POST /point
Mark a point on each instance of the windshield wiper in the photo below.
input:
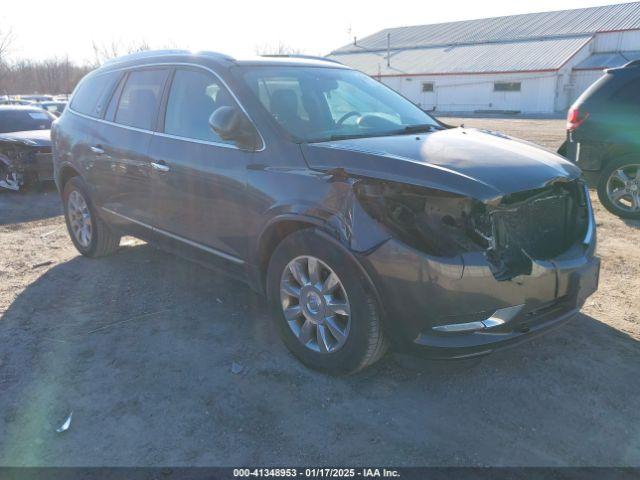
(427, 127)
(346, 136)
(424, 127)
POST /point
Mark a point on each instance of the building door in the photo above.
(428, 98)
(507, 96)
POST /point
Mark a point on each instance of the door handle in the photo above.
(97, 149)
(160, 167)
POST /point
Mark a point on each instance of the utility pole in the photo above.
(389, 49)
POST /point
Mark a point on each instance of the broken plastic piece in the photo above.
(65, 426)
(11, 181)
(236, 368)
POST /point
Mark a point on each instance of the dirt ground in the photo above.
(165, 363)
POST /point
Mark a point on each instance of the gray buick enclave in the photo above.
(366, 222)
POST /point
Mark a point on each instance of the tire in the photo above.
(608, 178)
(102, 240)
(363, 343)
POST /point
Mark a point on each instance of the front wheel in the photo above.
(619, 187)
(323, 306)
(90, 235)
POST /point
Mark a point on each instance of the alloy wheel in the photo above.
(80, 218)
(315, 304)
(623, 188)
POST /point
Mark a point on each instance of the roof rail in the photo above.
(159, 53)
(307, 57)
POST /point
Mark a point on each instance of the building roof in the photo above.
(583, 21)
(520, 56)
(517, 43)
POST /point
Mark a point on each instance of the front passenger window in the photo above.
(193, 98)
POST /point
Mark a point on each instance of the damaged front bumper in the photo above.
(455, 307)
(24, 164)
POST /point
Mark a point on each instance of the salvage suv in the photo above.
(25, 146)
(603, 138)
(365, 221)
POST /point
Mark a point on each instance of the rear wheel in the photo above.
(619, 187)
(324, 310)
(90, 235)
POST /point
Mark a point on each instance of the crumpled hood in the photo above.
(39, 138)
(475, 163)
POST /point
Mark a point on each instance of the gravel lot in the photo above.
(140, 346)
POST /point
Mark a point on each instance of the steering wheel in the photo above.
(346, 116)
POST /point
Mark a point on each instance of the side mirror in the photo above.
(229, 123)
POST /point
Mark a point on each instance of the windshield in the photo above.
(321, 104)
(24, 120)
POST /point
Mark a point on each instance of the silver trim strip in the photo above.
(500, 317)
(174, 64)
(194, 140)
(211, 250)
(99, 120)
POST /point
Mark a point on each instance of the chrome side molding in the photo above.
(500, 317)
(588, 237)
(206, 248)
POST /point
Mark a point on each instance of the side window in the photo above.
(92, 94)
(427, 86)
(629, 94)
(507, 86)
(140, 98)
(194, 96)
(282, 97)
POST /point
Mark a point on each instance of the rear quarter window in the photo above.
(93, 93)
(628, 94)
(592, 94)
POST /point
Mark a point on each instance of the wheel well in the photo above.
(66, 174)
(616, 151)
(272, 237)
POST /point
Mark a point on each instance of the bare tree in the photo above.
(277, 49)
(6, 39)
(116, 48)
(53, 75)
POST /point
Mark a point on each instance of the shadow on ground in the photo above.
(140, 347)
(36, 204)
(632, 223)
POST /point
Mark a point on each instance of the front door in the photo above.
(199, 180)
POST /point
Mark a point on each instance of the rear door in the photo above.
(88, 106)
(122, 146)
(199, 180)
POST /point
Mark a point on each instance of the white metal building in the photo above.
(533, 63)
